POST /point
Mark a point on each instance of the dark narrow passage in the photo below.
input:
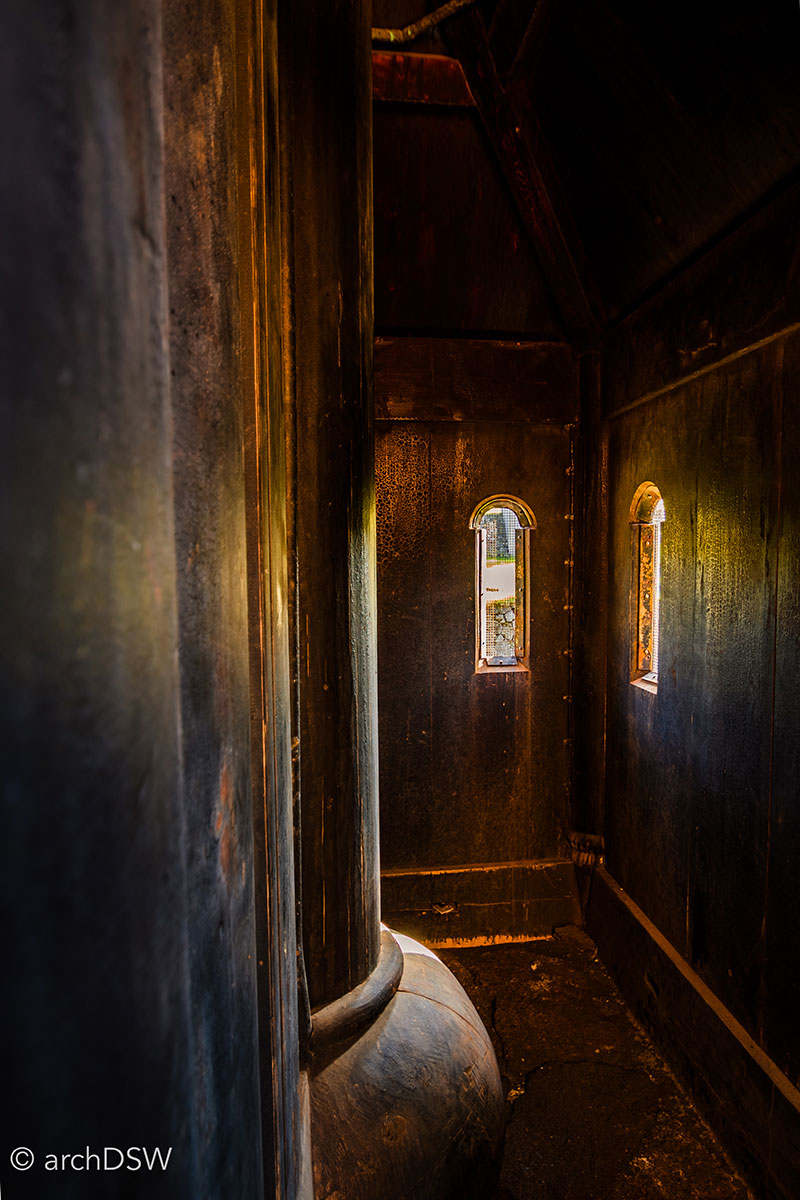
(593, 1111)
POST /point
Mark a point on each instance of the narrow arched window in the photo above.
(646, 519)
(502, 527)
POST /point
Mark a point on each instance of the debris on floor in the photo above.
(593, 1111)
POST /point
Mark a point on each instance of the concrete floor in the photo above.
(593, 1112)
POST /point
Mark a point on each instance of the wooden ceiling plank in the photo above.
(561, 261)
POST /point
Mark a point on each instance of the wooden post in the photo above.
(328, 136)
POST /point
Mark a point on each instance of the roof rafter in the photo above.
(526, 170)
(530, 45)
(508, 30)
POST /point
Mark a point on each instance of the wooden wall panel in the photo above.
(741, 292)
(451, 253)
(782, 976)
(462, 379)
(473, 767)
(647, 809)
(402, 464)
(734, 606)
(451, 906)
(689, 769)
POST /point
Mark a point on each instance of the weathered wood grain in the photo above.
(742, 292)
(329, 131)
(688, 769)
(264, 355)
(473, 767)
(451, 252)
(781, 974)
(208, 413)
(482, 903)
(127, 885)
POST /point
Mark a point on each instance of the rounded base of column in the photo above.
(413, 1107)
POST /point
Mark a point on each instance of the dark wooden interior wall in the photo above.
(702, 824)
(666, 123)
(452, 254)
(223, 205)
(200, 154)
(474, 767)
(96, 985)
(129, 857)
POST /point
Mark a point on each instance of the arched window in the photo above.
(502, 527)
(646, 519)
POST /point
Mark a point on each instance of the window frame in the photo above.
(646, 513)
(527, 521)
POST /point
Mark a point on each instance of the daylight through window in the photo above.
(646, 518)
(502, 526)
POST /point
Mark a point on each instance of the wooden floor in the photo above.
(593, 1112)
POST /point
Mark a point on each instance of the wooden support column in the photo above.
(328, 134)
(421, 1066)
(95, 992)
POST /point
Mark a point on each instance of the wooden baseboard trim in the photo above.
(745, 1097)
(480, 905)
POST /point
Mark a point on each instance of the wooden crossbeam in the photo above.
(419, 79)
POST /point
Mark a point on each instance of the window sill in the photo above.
(503, 669)
(646, 685)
